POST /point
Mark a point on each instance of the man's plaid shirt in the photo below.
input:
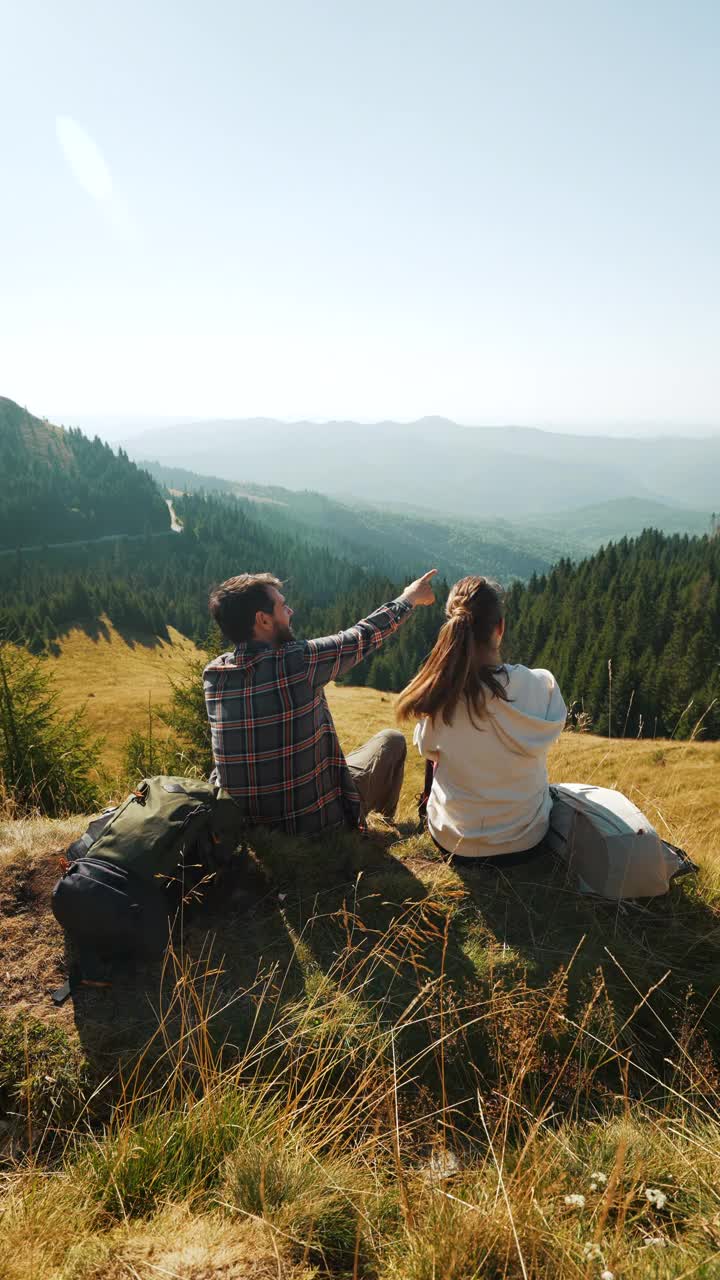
(274, 742)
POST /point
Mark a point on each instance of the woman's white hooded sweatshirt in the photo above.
(490, 794)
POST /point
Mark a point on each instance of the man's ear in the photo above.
(260, 621)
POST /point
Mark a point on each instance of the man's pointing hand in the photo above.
(420, 591)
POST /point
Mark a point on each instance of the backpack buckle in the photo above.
(140, 793)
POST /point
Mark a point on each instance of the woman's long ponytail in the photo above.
(454, 669)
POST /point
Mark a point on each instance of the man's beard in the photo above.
(283, 635)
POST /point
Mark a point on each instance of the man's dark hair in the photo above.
(234, 603)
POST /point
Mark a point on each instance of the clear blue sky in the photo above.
(498, 212)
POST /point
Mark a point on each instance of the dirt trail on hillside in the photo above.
(175, 527)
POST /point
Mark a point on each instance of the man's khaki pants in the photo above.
(377, 769)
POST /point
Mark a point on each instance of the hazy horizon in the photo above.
(117, 428)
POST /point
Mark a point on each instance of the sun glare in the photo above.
(84, 158)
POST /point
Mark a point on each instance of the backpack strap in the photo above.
(68, 988)
(687, 866)
(425, 796)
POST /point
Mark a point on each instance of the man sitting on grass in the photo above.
(274, 742)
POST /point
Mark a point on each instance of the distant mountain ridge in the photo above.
(438, 466)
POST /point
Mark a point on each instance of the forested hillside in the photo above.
(579, 532)
(58, 486)
(632, 634)
(382, 539)
(155, 582)
(394, 536)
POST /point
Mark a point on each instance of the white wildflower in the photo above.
(607, 1275)
(656, 1197)
(599, 1177)
(592, 1252)
(650, 1242)
(576, 1202)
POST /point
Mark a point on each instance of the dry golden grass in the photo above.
(313, 1153)
(676, 784)
(24, 839)
(387, 1069)
(46, 1240)
(112, 677)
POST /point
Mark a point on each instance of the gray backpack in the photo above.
(609, 844)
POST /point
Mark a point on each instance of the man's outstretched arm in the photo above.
(331, 656)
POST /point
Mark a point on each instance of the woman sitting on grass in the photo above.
(488, 726)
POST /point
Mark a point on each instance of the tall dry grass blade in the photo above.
(503, 1188)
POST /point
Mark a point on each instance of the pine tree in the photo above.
(48, 764)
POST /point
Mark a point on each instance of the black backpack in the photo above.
(135, 869)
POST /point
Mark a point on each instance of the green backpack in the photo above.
(165, 824)
(126, 876)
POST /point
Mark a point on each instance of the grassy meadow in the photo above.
(359, 1062)
(112, 676)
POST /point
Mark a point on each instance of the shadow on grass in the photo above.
(309, 940)
(96, 629)
(508, 984)
(652, 966)
(224, 949)
(135, 638)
